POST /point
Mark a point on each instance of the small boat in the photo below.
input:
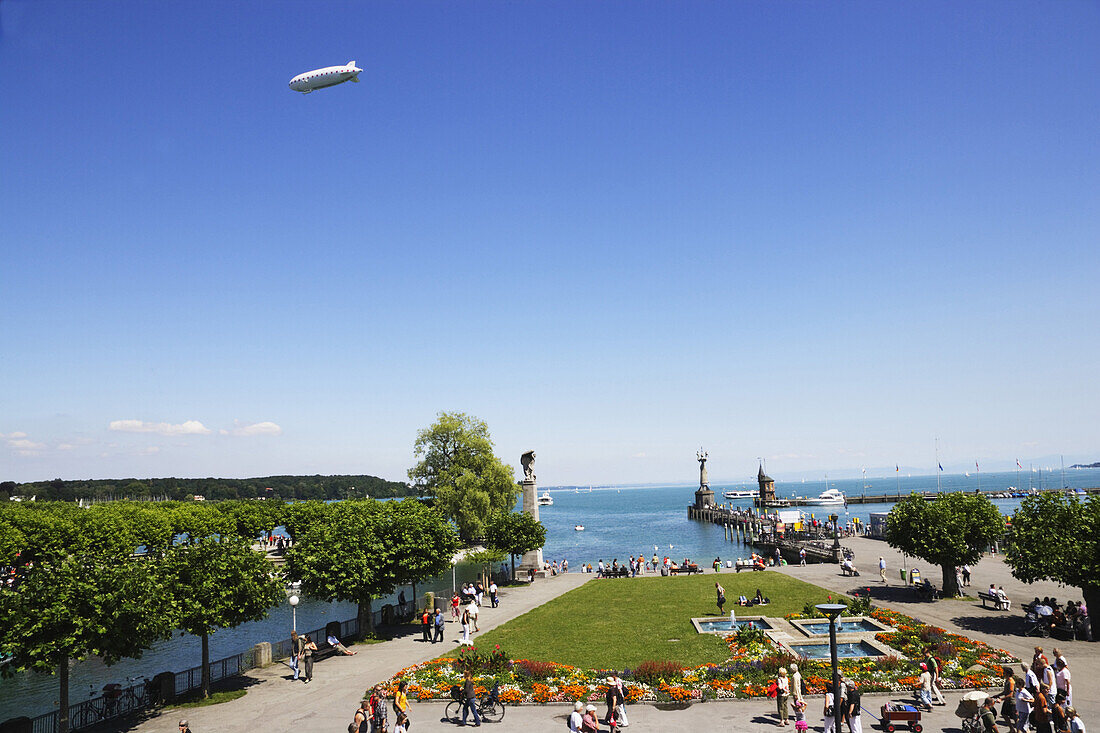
(546, 499)
(828, 497)
(579, 527)
(743, 494)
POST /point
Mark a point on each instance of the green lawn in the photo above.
(613, 624)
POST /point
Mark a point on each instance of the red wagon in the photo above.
(894, 713)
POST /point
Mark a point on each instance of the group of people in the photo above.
(1040, 698)
(372, 716)
(789, 692)
(1051, 614)
(584, 719)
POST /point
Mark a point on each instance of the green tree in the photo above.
(1057, 537)
(217, 579)
(458, 468)
(358, 550)
(949, 531)
(515, 533)
(79, 590)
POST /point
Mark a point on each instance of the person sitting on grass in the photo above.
(335, 644)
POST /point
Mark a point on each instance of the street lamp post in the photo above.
(832, 610)
(294, 611)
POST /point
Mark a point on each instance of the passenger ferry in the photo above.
(546, 499)
(743, 494)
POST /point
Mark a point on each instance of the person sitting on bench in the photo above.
(1002, 598)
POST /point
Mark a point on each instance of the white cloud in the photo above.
(25, 447)
(150, 451)
(17, 434)
(65, 446)
(190, 427)
(260, 428)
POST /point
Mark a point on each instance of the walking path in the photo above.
(276, 704)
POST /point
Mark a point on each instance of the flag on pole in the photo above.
(1018, 463)
(897, 468)
(940, 465)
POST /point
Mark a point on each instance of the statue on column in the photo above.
(701, 456)
(527, 460)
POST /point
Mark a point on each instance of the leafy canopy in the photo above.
(1057, 537)
(79, 589)
(457, 466)
(950, 530)
(515, 533)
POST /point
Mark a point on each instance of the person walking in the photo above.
(1062, 678)
(455, 600)
(721, 597)
(493, 593)
(590, 723)
(426, 624)
(360, 722)
(855, 722)
(925, 687)
(882, 569)
(934, 670)
(472, 610)
(439, 623)
(614, 697)
(307, 656)
(469, 697)
(465, 628)
(802, 556)
(796, 684)
(401, 703)
(828, 712)
(782, 695)
(295, 653)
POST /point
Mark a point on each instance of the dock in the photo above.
(763, 533)
(898, 496)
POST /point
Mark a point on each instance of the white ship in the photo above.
(828, 497)
(743, 494)
(546, 499)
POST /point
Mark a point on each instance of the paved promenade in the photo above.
(274, 704)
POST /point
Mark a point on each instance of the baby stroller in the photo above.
(969, 709)
(1036, 625)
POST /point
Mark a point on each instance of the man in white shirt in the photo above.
(472, 610)
(882, 569)
(493, 593)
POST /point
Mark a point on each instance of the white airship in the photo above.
(326, 77)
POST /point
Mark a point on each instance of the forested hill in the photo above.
(284, 487)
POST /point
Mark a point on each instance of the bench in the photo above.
(324, 651)
(990, 598)
(926, 591)
(749, 566)
(616, 573)
(844, 570)
(689, 569)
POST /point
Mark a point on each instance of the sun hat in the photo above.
(578, 705)
(591, 708)
(923, 665)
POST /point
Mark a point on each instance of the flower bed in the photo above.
(753, 662)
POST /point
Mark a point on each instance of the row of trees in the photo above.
(111, 580)
(179, 489)
(1052, 536)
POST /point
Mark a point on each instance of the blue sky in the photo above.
(823, 233)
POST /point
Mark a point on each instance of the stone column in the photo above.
(531, 559)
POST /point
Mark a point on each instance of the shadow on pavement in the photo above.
(995, 625)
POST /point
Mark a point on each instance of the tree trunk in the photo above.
(950, 581)
(416, 604)
(366, 619)
(205, 664)
(512, 579)
(1091, 594)
(63, 693)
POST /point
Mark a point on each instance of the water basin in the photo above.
(821, 628)
(723, 625)
(844, 650)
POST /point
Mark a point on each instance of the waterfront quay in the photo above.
(901, 495)
(767, 533)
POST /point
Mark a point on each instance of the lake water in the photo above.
(618, 522)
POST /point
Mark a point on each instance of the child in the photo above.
(800, 724)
